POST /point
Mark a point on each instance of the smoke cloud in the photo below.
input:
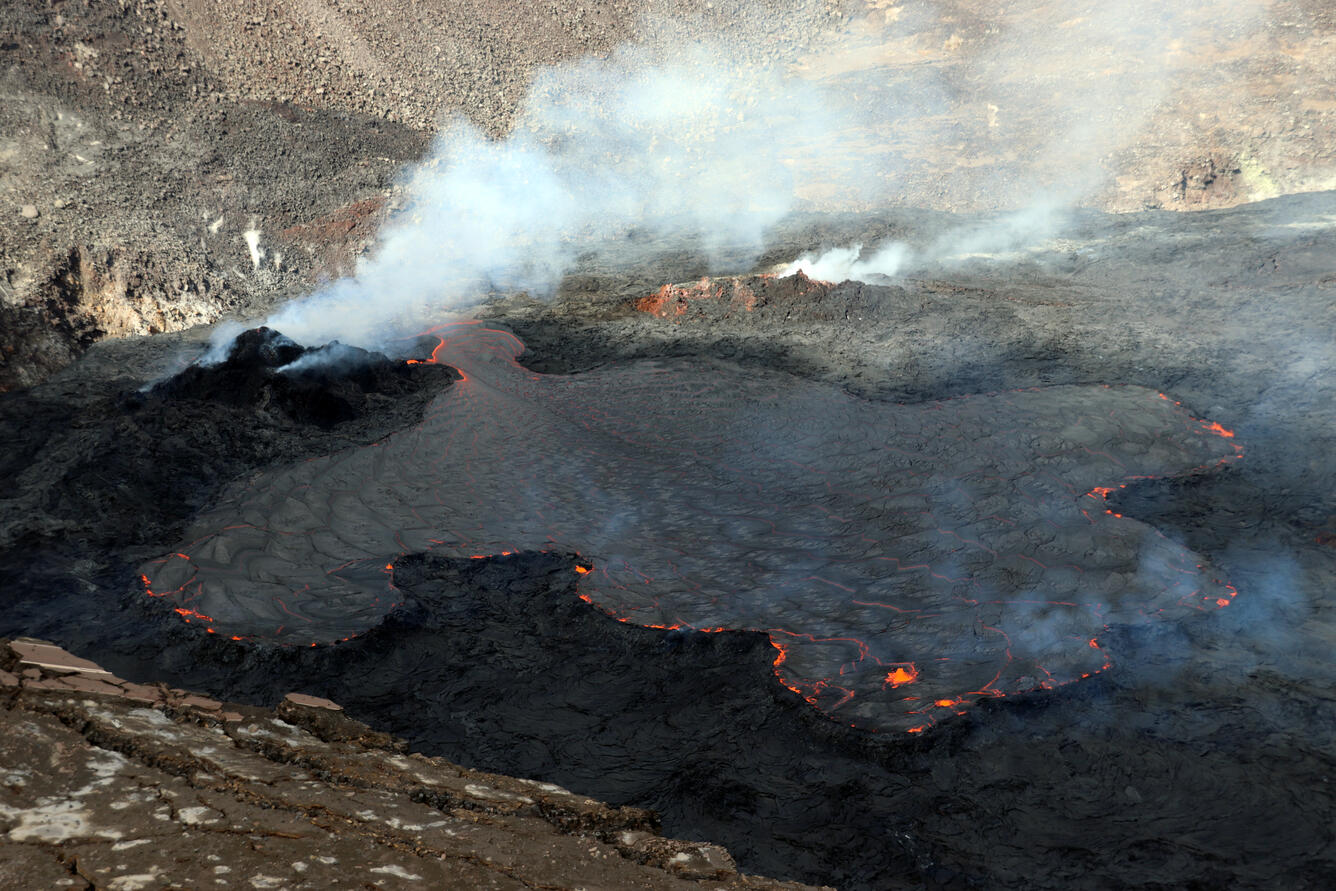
(1060, 102)
(990, 238)
(706, 144)
(610, 156)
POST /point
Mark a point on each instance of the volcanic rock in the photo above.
(792, 298)
(324, 386)
(196, 430)
(168, 129)
(1221, 722)
(104, 790)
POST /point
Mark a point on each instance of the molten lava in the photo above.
(899, 676)
(904, 560)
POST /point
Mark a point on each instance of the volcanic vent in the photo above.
(295, 384)
(905, 560)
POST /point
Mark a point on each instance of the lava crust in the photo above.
(323, 386)
(1199, 759)
(905, 561)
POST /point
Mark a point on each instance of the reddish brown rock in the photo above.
(302, 699)
(44, 655)
(101, 791)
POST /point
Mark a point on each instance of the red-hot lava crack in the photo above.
(905, 560)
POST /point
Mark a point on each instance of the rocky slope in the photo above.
(115, 785)
(168, 161)
(1122, 106)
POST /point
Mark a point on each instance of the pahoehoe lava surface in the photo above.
(904, 560)
(1201, 759)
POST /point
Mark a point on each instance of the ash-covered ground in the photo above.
(1200, 757)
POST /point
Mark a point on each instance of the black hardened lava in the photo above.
(498, 663)
(325, 386)
(111, 469)
(905, 561)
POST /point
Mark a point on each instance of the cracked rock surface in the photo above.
(109, 784)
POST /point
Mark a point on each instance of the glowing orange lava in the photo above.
(903, 675)
(191, 614)
(674, 300)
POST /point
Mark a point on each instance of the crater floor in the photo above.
(905, 560)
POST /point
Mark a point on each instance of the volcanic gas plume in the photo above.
(904, 560)
(706, 145)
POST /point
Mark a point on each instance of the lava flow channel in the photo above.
(905, 560)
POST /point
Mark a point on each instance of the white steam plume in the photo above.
(706, 144)
(987, 238)
(841, 264)
(1066, 97)
(694, 149)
